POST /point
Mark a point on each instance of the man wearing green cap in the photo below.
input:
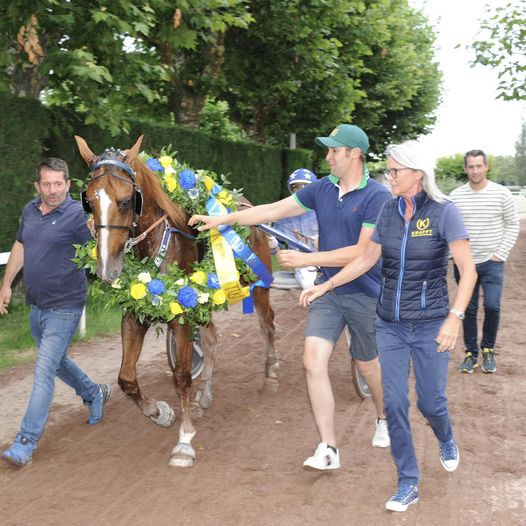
(347, 203)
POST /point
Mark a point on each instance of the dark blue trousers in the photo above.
(490, 279)
(400, 344)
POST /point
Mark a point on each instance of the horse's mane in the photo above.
(151, 186)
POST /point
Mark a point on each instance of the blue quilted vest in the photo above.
(414, 262)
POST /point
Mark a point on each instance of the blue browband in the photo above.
(123, 166)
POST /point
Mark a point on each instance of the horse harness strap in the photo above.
(165, 241)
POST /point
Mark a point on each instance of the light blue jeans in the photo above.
(53, 330)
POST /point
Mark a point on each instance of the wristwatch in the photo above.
(458, 313)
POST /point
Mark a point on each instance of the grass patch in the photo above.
(17, 346)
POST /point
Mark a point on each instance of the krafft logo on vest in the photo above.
(423, 229)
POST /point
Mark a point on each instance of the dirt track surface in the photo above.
(251, 443)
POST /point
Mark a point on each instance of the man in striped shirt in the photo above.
(492, 222)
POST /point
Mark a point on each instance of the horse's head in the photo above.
(115, 200)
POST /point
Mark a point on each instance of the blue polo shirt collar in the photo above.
(363, 183)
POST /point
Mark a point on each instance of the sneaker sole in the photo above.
(382, 445)
(13, 462)
(308, 467)
(451, 469)
(489, 371)
(396, 506)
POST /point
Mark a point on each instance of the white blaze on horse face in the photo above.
(105, 202)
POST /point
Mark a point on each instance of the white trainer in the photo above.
(381, 434)
(324, 458)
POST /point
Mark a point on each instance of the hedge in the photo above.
(27, 135)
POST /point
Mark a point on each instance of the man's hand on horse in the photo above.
(208, 222)
(292, 258)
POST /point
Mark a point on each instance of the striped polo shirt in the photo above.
(491, 219)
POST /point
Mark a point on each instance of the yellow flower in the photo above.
(93, 252)
(219, 297)
(170, 181)
(175, 308)
(198, 277)
(166, 160)
(138, 291)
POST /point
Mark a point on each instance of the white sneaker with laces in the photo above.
(324, 458)
(381, 435)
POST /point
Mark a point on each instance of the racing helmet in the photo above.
(302, 176)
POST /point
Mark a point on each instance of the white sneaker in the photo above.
(381, 435)
(324, 458)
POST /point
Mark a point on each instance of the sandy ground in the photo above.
(251, 443)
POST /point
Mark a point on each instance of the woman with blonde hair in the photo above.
(414, 234)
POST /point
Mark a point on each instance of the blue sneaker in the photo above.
(406, 495)
(489, 365)
(21, 452)
(469, 363)
(96, 406)
(449, 455)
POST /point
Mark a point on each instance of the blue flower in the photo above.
(153, 164)
(213, 281)
(187, 297)
(156, 286)
(193, 193)
(187, 179)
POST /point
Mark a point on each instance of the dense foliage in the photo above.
(283, 66)
(502, 45)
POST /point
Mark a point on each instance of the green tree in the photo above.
(110, 60)
(304, 66)
(449, 172)
(504, 170)
(520, 156)
(502, 45)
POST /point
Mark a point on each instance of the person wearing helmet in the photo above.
(303, 227)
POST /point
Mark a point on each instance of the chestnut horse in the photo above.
(126, 200)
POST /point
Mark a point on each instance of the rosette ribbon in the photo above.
(225, 242)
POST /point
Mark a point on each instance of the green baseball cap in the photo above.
(345, 135)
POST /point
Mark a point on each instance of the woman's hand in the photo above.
(208, 221)
(307, 296)
(448, 334)
(292, 258)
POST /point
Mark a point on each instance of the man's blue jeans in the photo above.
(53, 330)
(398, 344)
(490, 278)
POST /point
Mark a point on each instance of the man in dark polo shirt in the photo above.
(346, 203)
(56, 291)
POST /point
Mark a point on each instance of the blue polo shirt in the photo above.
(341, 219)
(50, 277)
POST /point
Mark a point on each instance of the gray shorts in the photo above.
(330, 313)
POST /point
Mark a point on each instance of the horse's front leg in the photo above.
(204, 395)
(133, 334)
(183, 454)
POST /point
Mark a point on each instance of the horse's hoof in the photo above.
(166, 416)
(197, 410)
(183, 456)
(271, 385)
(204, 396)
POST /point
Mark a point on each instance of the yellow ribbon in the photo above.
(226, 270)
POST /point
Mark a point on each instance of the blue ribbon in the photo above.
(242, 250)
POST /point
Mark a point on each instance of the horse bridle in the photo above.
(138, 200)
(137, 192)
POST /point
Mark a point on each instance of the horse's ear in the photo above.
(133, 152)
(84, 150)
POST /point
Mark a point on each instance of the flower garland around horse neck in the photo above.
(160, 296)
